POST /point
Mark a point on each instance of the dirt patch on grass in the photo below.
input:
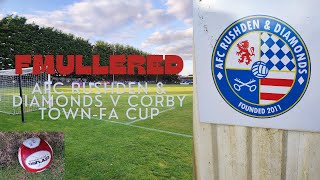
(10, 143)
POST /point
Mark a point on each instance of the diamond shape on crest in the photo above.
(220, 76)
(285, 60)
(285, 49)
(275, 48)
(269, 42)
(264, 37)
(264, 48)
(280, 43)
(280, 65)
(269, 65)
(301, 80)
(280, 54)
(264, 58)
(289, 55)
(290, 66)
(269, 54)
(274, 59)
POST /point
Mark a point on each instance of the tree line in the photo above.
(19, 37)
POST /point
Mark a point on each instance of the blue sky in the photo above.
(155, 26)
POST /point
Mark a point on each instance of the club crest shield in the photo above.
(261, 66)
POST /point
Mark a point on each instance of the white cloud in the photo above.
(182, 9)
(160, 38)
(100, 17)
(155, 17)
(177, 42)
(172, 42)
(188, 21)
(183, 49)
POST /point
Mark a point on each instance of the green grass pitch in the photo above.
(160, 148)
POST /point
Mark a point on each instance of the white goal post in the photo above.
(10, 86)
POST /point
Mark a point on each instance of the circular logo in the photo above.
(261, 66)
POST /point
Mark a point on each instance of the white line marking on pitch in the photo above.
(150, 116)
(162, 131)
(146, 128)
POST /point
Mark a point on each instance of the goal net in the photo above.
(9, 87)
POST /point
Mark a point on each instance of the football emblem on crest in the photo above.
(261, 66)
(259, 69)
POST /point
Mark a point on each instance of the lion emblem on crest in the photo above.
(244, 53)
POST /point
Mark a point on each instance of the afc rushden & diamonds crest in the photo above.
(261, 66)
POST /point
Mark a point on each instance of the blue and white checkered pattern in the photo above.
(275, 53)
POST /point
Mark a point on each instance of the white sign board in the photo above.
(258, 63)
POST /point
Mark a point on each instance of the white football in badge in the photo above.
(260, 70)
(35, 154)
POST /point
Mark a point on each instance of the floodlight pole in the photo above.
(22, 109)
